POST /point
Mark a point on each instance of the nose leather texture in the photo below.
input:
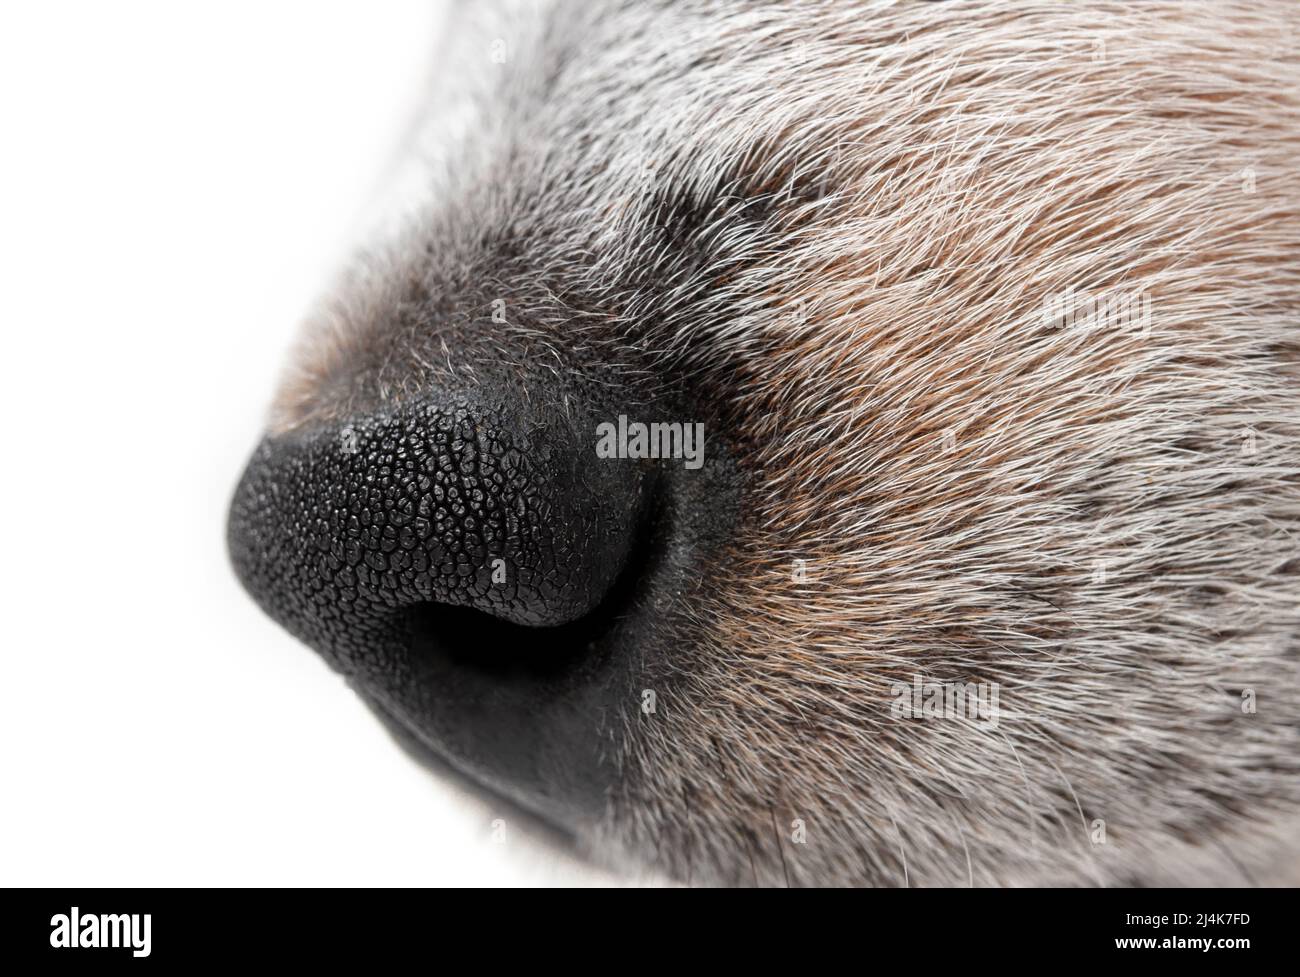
(451, 504)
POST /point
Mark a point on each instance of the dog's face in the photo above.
(948, 328)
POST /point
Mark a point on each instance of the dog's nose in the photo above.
(336, 528)
(466, 566)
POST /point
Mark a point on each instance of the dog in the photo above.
(986, 564)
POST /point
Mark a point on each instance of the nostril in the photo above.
(529, 711)
(447, 641)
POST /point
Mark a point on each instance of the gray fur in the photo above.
(840, 224)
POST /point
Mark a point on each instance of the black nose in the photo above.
(450, 558)
(514, 516)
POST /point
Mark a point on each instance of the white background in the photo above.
(177, 183)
